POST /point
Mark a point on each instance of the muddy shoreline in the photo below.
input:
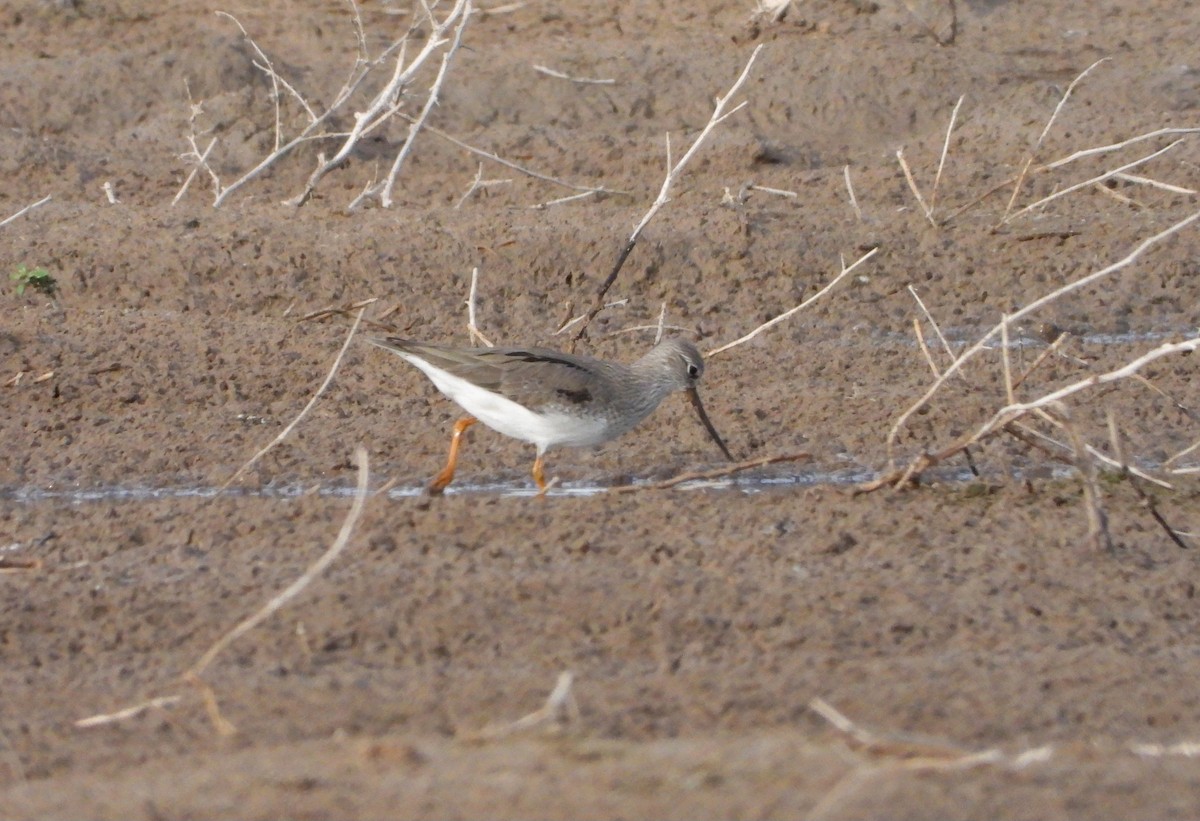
(974, 617)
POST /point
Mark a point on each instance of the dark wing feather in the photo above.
(533, 377)
(537, 378)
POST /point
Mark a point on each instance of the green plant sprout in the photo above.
(37, 278)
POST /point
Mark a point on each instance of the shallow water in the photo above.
(746, 482)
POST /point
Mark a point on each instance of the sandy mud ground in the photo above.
(1014, 636)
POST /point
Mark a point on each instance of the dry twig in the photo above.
(480, 184)
(718, 473)
(1086, 183)
(1114, 435)
(1036, 305)
(719, 115)
(893, 754)
(560, 707)
(549, 72)
(787, 314)
(850, 190)
(296, 587)
(283, 434)
(431, 99)
(25, 210)
(587, 190)
(129, 712)
(472, 327)
(387, 101)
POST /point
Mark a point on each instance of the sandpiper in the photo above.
(553, 399)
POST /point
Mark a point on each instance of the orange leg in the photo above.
(444, 478)
(539, 476)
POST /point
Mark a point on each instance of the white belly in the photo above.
(507, 417)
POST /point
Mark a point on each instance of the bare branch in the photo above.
(1016, 409)
(786, 314)
(472, 326)
(945, 150)
(479, 184)
(296, 587)
(581, 80)
(431, 100)
(1137, 179)
(1036, 305)
(912, 186)
(283, 434)
(1062, 102)
(850, 190)
(1101, 178)
(1104, 149)
(385, 103)
(719, 114)
(26, 210)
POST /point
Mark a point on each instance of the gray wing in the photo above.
(533, 377)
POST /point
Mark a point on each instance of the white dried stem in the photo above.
(560, 706)
(472, 326)
(1051, 443)
(1137, 179)
(925, 348)
(478, 184)
(431, 100)
(128, 712)
(1063, 101)
(1005, 360)
(1036, 305)
(563, 200)
(1186, 749)
(1190, 449)
(1118, 196)
(360, 34)
(401, 77)
(385, 105)
(913, 753)
(1050, 350)
(266, 163)
(932, 322)
(945, 151)
(200, 161)
(296, 587)
(1012, 200)
(912, 185)
(589, 81)
(26, 210)
(1104, 149)
(365, 194)
(576, 320)
(269, 69)
(850, 190)
(633, 329)
(1101, 178)
(1018, 409)
(719, 115)
(778, 192)
(283, 434)
(587, 189)
(788, 314)
(1097, 517)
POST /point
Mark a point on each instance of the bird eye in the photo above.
(693, 371)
